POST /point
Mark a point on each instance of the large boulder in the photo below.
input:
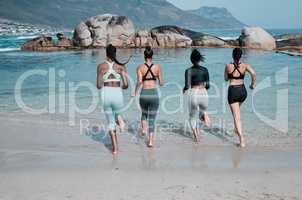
(82, 35)
(257, 38)
(143, 38)
(209, 41)
(101, 30)
(170, 36)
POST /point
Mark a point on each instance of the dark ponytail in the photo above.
(237, 54)
(196, 57)
(148, 53)
(111, 53)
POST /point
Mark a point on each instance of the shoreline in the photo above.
(74, 166)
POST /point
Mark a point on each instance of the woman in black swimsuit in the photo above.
(235, 73)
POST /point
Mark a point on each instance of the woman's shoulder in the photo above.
(140, 66)
(118, 66)
(204, 68)
(102, 66)
(244, 65)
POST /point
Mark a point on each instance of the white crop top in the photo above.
(111, 72)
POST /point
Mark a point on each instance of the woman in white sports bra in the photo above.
(112, 78)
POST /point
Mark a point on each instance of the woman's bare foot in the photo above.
(196, 135)
(242, 142)
(114, 151)
(150, 143)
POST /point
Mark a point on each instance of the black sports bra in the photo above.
(153, 78)
(236, 68)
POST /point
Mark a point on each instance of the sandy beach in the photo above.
(45, 159)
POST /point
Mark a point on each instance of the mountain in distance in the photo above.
(69, 13)
(220, 15)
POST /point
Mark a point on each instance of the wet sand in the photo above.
(49, 160)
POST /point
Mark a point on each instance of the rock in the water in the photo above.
(101, 30)
(257, 38)
(209, 41)
(82, 35)
(288, 37)
(170, 36)
(289, 42)
(143, 38)
(46, 43)
(38, 44)
(64, 41)
(233, 43)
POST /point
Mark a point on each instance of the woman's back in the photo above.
(236, 73)
(149, 74)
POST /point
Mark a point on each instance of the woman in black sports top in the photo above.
(147, 76)
(197, 83)
(235, 73)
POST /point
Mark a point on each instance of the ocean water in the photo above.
(274, 109)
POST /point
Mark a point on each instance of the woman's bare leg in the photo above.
(151, 140)
(121, 123)
(196, 135)
(114, 142)
(206, 119)
(235, 108)
(144, 128)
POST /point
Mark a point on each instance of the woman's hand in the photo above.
(253, 86)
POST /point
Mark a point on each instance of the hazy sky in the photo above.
(265, 13)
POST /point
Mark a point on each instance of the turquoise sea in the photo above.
(264, 114)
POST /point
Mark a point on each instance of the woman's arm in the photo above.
(160, 77)
(207, 80)
(226, 74)
(252, 72)
(139, 82)
(99, 81)
(123, 73)
(187, 82)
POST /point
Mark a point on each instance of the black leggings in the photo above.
(149, 103)
(237, 94)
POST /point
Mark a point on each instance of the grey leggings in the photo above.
(198, 105)
(149, 103)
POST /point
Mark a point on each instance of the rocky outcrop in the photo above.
(257, 38)
(210, 41)
(143, 39)
(39, 44)
(288, 37)
(101, 30)
(46, 43)
(63, 41)
(289, 43)
(170, 36)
